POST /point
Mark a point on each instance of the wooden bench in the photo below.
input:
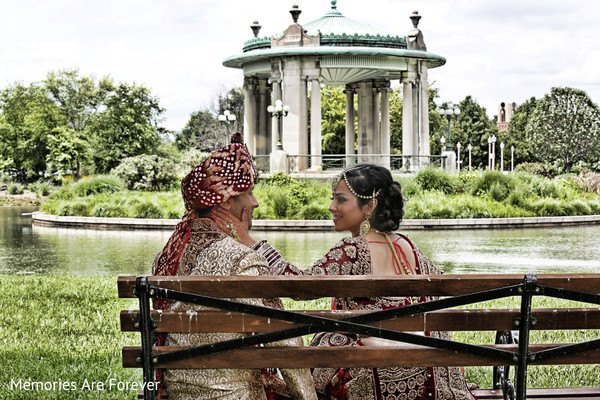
(417, 350)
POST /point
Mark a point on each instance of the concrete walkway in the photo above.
(325, 225)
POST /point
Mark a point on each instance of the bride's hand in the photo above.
(232, 226)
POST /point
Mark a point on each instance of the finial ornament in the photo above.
(415, 17)
(295, 11)
(255, 28)
(334, 4)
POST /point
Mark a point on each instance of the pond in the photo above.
(30, 249)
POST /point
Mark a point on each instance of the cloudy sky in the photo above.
(496, 51)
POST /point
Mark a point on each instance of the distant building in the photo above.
(505, 113)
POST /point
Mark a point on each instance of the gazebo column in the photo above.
(385, 125)
(264, 135)
(350, 133)
(315, 125)
(409, 145)
(424, 109)
(365, 118)
(295, 125)
(250, 114)
(375, 142)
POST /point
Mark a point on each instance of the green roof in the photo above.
(337, 30)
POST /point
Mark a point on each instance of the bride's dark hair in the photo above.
(368, 179)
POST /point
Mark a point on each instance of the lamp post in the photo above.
(512, 158)
(492, 152)
(278, 111)
(448, 111)
(458, 161)
(501, 156)
(470, 148)
(227, 118)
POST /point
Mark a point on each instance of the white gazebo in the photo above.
(337, 51)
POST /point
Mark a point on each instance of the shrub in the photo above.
(280, 205)
(146, 209)
(435, 179)
(504, 184)
(147, 172)
(15, 188)
(109, 211)
(279, 179)
(76, 209)
(90, 186)
(498, 191)
(589, 182)
(314, 211)
(544, 169)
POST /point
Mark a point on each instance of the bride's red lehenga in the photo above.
(352, 256)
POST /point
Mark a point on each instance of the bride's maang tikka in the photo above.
(341, 176)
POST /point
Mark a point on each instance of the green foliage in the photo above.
(146, 209)
(127, 127)
(76, 208)
(27, 117)
(15, 188)
(565, 126)
(90, 186)
(333, 120)
(436, 179)
(472, 126)
(501, 184)
(544, 169)
(109, 211)
(147, 172)
(202, 132)
(278, 179)
(283, 197)
(516, 135)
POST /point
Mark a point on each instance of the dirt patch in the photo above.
(28, 198)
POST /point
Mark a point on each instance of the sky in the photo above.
(496, 51)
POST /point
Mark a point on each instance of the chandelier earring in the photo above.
(365, 226)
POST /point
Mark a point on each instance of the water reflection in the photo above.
(46, 250)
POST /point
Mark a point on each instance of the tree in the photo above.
(565, 126)
(333, 120)
(127, 127)
(201, 132)
(28, 116)
(79, 98)
(66, 150)
(516, 134)
(233, 101)
(474, 127)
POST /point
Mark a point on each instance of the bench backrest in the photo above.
(271, 325)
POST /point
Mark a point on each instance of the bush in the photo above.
(147, 172)
(90, 186)
(435, 179)
(15, 188)
(280, 205)
(76, 209)
(146, 209)
(279, 179)
(544, 169)
(109, 211)
(313, 211)
(498, 191)
(503, 184)
(589, 182)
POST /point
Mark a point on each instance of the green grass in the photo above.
(63, 329)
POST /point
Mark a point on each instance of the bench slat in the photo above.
(354, 286)
(448, 320)
(308, 357)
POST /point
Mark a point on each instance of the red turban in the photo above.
(226, 173)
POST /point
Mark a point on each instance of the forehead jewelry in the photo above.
(360, 196)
